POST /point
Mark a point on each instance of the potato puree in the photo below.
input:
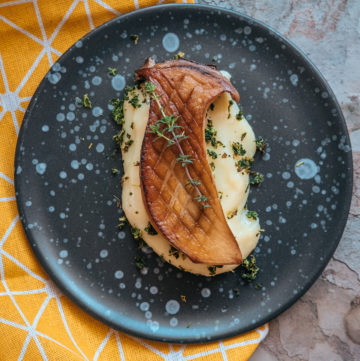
(232, 185)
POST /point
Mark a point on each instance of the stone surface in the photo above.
(324, 324)
(352, 321)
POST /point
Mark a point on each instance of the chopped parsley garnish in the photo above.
(112, 71)
(212, 154)
(236, 292)
(257, 178)
(118, 105)
(214, 58)
(252, 215)
(210, 134)
(114, 171)
(243, 135)
(134, 101)
(85, 101)
(119, 138)
(150, 229)
(173, 252)
(141, 243)
(232, 214)
(212, 166)
(238, 149)
(118, 111)
(260, 144)
(135, 38)
(229, 107)
(212, 270)
(249, 269)
(239, 115)
(244, 164)
(179, 55)
(122, 222)
(139, 262)
(136, 232)
(127, 145)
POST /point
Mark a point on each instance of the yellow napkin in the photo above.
(37, 322)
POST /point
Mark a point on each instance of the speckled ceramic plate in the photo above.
(65, 186)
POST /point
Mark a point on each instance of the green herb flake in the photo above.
(150, 229)
(212, 154)
(122, 222)
(119, 138)
(149, 87)
(236, 292)
(238, 149)
(188, 325)
(112, 71)
(252, 215)
(128, 145)
(244, 164)
(173, 252)
(134, 101)
(229, 108)
(210, 134)
(214, 58)
(212, 166)
(114, 171)
(212, 106)
(239, 115)
(257, 178)
(212, 270)
(243, 135)
(139, 262)
(260, 144)
(232, 214)
(118, 111)
(249, 269)
(135, 38)
(136, 232)
(85, 101)
(179, 55)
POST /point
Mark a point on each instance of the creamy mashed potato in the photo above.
(232, 185)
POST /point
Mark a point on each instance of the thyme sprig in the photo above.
(167, 128)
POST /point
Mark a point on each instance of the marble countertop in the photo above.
(324, 325)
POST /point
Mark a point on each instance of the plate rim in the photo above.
(341, 222)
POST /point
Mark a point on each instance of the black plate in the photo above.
(65, 188)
